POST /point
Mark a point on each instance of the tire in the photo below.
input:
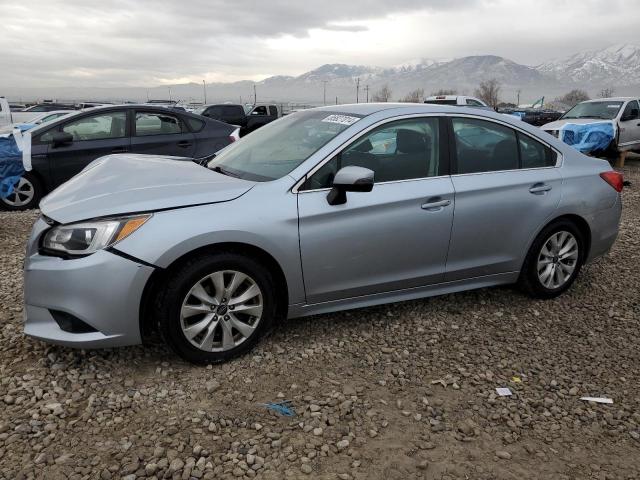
(220, 333)
(537, 263)
(26, 196)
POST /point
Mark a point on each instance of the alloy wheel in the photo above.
(23, 192)
(557, 260)
(221, 311)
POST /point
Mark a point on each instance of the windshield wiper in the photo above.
(221, 170)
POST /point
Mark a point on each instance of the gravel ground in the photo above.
(396, 392)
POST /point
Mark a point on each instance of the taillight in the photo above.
(615, 179)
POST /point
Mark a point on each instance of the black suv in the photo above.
(235, 114)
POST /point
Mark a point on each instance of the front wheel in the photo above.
(26, 194)
(216, 307)
(554, 260)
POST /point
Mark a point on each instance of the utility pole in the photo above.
(169, 93)
(366, 88)
(518, 104)
(324, 92)
(255, 95)
(204, 91)
(358, 90)
(336, 100)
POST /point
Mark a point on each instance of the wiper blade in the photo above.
(221, 170)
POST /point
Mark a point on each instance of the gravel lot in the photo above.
(394, 392)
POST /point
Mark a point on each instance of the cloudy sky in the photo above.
(155, 42)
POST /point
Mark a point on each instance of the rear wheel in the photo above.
(26, 194)
(554, 260)
(216, 307)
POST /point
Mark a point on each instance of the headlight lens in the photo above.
(89, 237)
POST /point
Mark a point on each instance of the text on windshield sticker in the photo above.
(341, 119)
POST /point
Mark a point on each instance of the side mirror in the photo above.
(349, 179)
(60, 139)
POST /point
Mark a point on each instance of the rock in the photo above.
(503, 454)
(306, 468)
(342, 444)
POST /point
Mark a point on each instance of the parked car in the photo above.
(310, 214)
(34, 122)
(62, 148)
(7, 116)
(235, 114)
(533, 116)
(623, 111)
(457, 100)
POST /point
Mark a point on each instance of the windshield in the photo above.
(605, 110)
(276, 149)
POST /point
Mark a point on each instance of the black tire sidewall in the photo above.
(185, 277)
(529, 277)
(37, 195)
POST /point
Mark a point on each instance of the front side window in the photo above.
(274, 150)
(259, 111)
(98, 127)
(629, 113)
(400, 150)
(156, 123)
(483, 146)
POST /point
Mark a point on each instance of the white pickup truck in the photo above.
(623, 111)
(8, 117)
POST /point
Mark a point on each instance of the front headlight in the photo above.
(88, 237)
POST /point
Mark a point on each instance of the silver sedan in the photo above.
(323, 210)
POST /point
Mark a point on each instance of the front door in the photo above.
(629, 138)
(506, 187)
(94, 136)
(161, 133)
(392, 238)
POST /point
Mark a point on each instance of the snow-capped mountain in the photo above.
(615, 67)
(618, 65)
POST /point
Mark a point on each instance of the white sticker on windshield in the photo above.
(341, 119)
(613, 106)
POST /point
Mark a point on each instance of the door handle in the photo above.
(184, 143)
(539, 188)
(119, 150)
(435, 205)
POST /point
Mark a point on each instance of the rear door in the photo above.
(507, 187)
(94, 136)
(630, 128)
(161, 133)
(392, 238)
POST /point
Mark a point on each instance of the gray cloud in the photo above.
(148, 42)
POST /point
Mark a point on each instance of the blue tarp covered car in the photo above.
(595, 137)
(11, 165)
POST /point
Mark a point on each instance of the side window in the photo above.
(97, 127)
(483, 146)
(195, 124)
(157, 123)
(262, 110)
(214, 112)
(273, 110)
(475, 103)
(534, 154)
(629, 110)
(399, 150)
(232, 111)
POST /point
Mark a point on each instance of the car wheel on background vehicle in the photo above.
(215, 307)
(554, 260)
(26, 195)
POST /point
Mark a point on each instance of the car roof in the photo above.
(365, 109)
(610, 99)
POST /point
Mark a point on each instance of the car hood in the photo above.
(122, 184)
(578, 121)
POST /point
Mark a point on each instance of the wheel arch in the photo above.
(160, 275)
(577, 220)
